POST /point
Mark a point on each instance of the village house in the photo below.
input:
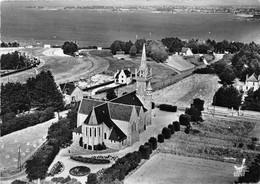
(123, 76)
(252, 82)
(119, 122)
(185, 51)
(71, 92)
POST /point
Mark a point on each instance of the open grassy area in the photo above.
(167, 168)
(160, 72)
(179, 63)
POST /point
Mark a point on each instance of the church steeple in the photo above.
(143, 60)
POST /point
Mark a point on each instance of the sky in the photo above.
(162, 2)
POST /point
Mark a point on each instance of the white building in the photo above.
(186, 51)
(116, 123)
(123, 77)
(252, 82)
(71, 93)
(47, 46)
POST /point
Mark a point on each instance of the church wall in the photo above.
(133, 134)
(76, 137)
(92, 138)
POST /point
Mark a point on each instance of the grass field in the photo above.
(167, 168)
(179, 63)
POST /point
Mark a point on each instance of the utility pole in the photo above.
(19, 166)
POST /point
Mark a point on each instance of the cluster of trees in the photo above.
(59, 136)
(11, 123)
(195, 110)
(252, 101)
(69, 48)
(154, 49)
(13, 61)
(120, 168)
(10, 44)
(90, 160)
(202, 47)
(168, 131)
(40, 92)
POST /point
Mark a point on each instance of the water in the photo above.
(101, 28)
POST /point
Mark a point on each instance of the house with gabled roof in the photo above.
(116, 123)
(71, 92)
(186, 51)
(123, 76)
(252, 81)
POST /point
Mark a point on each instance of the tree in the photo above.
(61, 132)
(72, 116)
(185, 119)
(69, 48)
(171, 127)
(166, 132)
(227, 76)
(14, 97)
(44, 92)
(160, 138)
(227, 96)
(153, 141)
(133, 51)
(116, 46)
(194, 113)
(252, 100)
(176, 125)
(219, 67)
(110, 94)
(198, 103)
(139, 44)
(128, 45)
(156, 51)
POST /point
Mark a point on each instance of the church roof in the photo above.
(128, 99)
(87, 105)
(120, 111)
(104, 112)
(117, 134)
(253, 78)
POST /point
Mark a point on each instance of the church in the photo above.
(117, 123)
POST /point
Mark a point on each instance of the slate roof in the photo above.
(253, 78)
(87, 105)
(128, 99)
(67, 88)
(120, 111)
(117, 134)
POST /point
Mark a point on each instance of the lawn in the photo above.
(175, 169)
(179, 63)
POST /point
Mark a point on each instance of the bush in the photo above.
(171, 127)
(153, 141)
(185, 119)
(169, 108)
(166, 132)
(92, 178)
(187, 130)
(176, 125)
(100, 147)
(18, 182)
(145, 151)
(194, 113)
(90, 160)
(160, 138)
(79, 171)
(150, 145)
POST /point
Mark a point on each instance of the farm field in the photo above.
(166, 168)
(183, 92)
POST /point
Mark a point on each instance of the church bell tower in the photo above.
(143, 77)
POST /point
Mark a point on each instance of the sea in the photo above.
(54, 25)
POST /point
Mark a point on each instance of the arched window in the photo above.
(95, 132)
(99, 131)
(105, 135)
(86, 130)
(90, 132)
